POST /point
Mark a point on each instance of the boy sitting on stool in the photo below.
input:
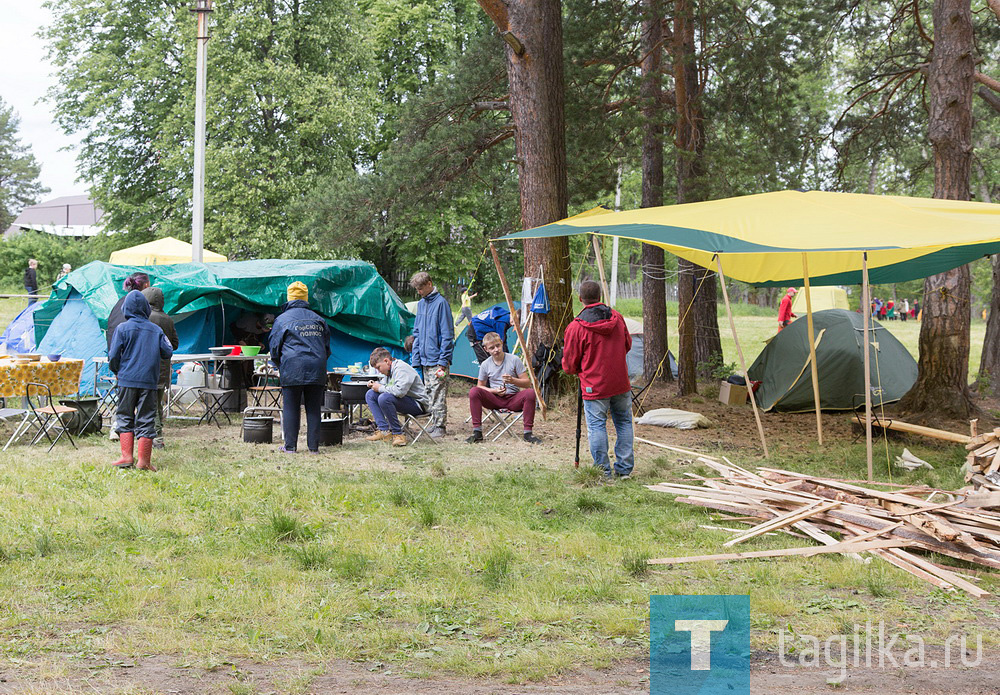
(503, 385)
(403, 393)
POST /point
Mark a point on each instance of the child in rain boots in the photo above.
(137, 347)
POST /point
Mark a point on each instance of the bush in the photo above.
(51, 252)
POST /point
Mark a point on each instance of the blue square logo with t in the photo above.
(699, 645)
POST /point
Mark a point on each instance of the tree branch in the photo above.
(989, 97)
(987, 80)
(995, 6)
(496, 11)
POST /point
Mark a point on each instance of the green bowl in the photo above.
(250, 350)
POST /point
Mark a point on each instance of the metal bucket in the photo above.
(331, 432)
(332, 400)
(258, 430)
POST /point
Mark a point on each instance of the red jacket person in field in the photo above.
(785, 314)
(594, 347)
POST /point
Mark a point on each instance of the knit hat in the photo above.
(298, 291)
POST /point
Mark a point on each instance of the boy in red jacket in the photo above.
(594, 347)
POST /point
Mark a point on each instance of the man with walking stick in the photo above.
(594, 347)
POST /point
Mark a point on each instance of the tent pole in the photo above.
(812, 348)
(600, 268)
(739, 351)
(866, 311)
(517, 330)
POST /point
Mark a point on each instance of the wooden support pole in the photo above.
(866, 311)
(739, 352)
(600, 269)
(812, 347)
(517, 329)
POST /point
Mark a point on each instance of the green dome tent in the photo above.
(783, 366)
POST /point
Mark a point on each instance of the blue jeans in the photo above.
(597, 432)
(384, 407)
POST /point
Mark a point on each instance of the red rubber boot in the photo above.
(145, 453)
(126, 439)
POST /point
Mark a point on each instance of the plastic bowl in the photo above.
(234, 349)
(30, 358)
(53, 358)
(250, 350)
(220, 351)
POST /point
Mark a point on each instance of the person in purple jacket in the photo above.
(137, 347)
(433, 344)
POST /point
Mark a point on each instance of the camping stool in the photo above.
(214, 400)
(504, 419)
(48, 418)
(637, 396)
(422, 429)
(107, 405)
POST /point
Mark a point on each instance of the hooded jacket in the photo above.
(433, 332)
(138, 345)
(154, 295)
(300, 345)
(594, 346)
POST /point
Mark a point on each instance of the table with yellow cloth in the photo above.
(62, 377)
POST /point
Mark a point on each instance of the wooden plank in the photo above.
(845, 547)
(946, 575)
(801, 514)
(898, 426)
(915, 571)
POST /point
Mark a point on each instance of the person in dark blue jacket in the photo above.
(300, 348)
(433, 344)
(137, 347)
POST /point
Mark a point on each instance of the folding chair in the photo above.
(502, 420)
(47, 418)
(422, 428)
(263, 393)
(106, 389)
(10, 413)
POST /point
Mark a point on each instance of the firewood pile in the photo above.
(983, 461)
(893, 526)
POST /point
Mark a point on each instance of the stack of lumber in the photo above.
(983, 461)
(889, 525)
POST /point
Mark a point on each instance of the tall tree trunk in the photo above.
(688, 143)
(533, 32)
(654, 294)
(707, 343)
(943, 367)
(989, 361)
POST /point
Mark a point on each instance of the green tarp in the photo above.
(784, 370)
(351, 295)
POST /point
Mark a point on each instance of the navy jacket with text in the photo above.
(300, 345)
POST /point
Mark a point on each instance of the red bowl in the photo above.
(236, 349)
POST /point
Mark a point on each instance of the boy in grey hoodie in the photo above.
(404, 392)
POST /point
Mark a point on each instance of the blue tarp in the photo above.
(19, 337)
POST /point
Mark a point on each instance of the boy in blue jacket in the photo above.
(433, 344)
(137, 347)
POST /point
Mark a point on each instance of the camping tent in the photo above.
(360, 308)
(783, 366)
(822, 298)
(635, 358)
(165, 251)
(19, 336)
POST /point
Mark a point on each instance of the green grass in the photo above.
(517, 568)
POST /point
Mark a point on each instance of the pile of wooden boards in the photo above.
(889, 525)
(983, 461)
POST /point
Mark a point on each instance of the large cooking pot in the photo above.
(353, 391)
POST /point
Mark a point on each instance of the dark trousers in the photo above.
(136, 411)
(32, 291)
(292, 397)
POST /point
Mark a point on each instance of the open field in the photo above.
(498, 561)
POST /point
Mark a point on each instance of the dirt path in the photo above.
(162, 674)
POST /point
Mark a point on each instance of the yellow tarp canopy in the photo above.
(761, 238)
(165, 251)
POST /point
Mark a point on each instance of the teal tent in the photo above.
(783, 366)
(363, 312)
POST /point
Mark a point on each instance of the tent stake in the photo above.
(517, 330)
(739, 351)
(866, 310)
(600, 268)
(812, 348)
